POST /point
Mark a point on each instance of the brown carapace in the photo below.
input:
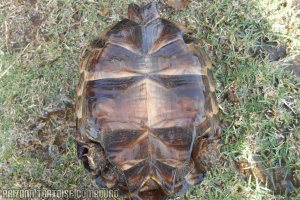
(147, 120)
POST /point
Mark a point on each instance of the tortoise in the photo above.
(147, 116)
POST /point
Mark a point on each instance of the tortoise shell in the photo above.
(147, 120)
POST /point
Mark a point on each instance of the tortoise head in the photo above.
(142, 14)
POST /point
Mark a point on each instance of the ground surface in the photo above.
(253, 45)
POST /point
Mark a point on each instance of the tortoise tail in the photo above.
(143, 14)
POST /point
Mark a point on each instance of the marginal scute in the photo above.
(144, 14)
(79, 107)
(202, 56)
(147, 114)
(212, 85)
(81, 84)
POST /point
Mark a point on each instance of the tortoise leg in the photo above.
(206, 153)
(93, 158)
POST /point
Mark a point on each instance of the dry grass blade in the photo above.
(15, 62)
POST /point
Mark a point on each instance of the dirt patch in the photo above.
(271, 51)
(294, 65)
(46, 138)
(22, 25)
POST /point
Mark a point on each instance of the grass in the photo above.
(41, 43)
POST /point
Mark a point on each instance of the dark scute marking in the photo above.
(121, 146)
(179, 137)
(95, 98)
(166, 174)
(152, 194)
(173, 81)
(137, 36)
(131, 37)
(113, 52)
(134, 12)
(92, 60)
(177, 48)
(136, 175)
(169, 29)
(125, 24)
(121, 138)
(172, 150)
(97, 86)
(122, 188)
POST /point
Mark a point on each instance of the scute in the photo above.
(146, 109)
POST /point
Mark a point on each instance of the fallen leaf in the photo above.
(104, 12)
(178, 4)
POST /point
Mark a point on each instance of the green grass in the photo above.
(43, 59)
